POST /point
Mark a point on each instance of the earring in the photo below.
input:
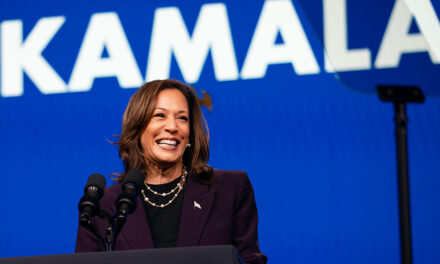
(188, 145)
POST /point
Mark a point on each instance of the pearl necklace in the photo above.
(178, 187)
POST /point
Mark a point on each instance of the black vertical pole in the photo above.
(400, 95)
(402, 169)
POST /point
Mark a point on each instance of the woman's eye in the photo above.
(159, 115)
(183, 118)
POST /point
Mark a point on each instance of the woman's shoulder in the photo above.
(114, 189)
(231, 178)
(111, 193)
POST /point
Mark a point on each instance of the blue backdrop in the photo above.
(305, 124)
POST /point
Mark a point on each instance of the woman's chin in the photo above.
(168, 161)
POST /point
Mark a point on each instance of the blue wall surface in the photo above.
(317, 143)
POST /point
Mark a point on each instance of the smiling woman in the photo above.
(185, 201)
(158, 112)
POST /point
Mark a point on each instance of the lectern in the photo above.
(224, 254)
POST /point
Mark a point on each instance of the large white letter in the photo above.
(339, 58)
(397, 39)
(18, 57)
(278, 16)
(105, 31)
(211, 32)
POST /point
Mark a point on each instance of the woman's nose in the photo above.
(171, 125)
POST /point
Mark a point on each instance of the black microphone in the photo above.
(126, 202)
(125, 205)
(89, 204)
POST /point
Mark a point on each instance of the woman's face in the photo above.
(166, 135)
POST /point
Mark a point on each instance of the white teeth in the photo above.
(168, 142)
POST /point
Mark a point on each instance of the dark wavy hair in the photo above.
(137, 116)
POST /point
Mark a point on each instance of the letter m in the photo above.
(211, 33)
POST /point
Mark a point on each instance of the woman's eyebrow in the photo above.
(164, 109)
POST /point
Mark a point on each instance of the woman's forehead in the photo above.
(171, 99)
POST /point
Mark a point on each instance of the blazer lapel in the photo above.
(197, 204)
(136, 230)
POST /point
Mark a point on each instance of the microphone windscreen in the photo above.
(97, 180)
(136, 177)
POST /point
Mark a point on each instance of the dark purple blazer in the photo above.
(227, 215)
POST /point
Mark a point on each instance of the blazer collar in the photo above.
(197, 204)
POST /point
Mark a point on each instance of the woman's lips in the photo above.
(168, 144)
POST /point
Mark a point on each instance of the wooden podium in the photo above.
(224, 254)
